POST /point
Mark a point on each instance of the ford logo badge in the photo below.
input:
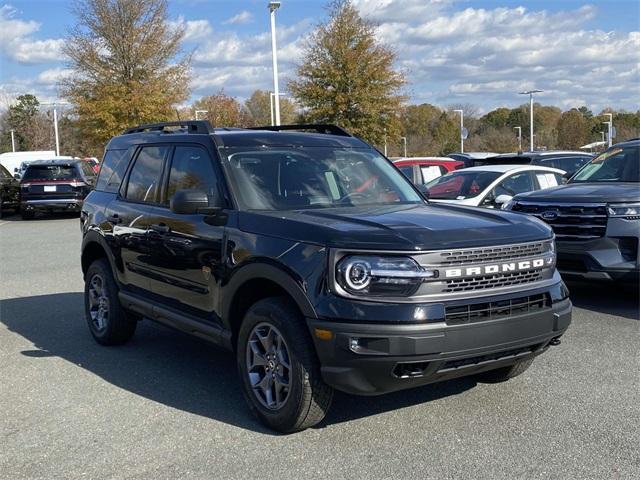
(549, 215)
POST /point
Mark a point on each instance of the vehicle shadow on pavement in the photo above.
(606, 297)
(170, 367)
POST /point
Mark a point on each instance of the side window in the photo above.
(191, 169)
(86, 169)
(145, 176)
(518, 183)
(429, 172)
(407, 171)
(112, 170)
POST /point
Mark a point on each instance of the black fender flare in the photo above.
(268, 271)
(93, 236)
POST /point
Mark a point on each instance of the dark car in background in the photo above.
(568, 161)
(9, 191)
(469, 158)
(55, 185)
(595, 216)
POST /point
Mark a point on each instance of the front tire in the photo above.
(108, 322)
(279, 369)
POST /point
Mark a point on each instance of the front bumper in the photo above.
(58, 204)
(400, 356)
(606, 258)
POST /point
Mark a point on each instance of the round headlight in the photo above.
(357, 274)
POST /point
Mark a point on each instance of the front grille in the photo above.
(475, 255)
(569, 222)
(478, 312)
(493, 281)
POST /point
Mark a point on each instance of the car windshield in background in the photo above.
(616, 165)
(50, 172)
(461, 185)
(318, 177)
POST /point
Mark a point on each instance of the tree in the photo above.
(347, 77)
(572, 130)
(259, 107)
(223, 110)
(33, 130)
(126, 70)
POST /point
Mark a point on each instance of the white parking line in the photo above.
(3, 223)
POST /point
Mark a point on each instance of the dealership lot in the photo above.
(170, 406)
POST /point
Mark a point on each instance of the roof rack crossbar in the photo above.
(317, 127)
(191, 126)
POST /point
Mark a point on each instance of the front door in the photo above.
(186, 249)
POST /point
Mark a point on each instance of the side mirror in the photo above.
(424, 191)
(568, 175)
(17, 176)
(189, 201)
(502, 199)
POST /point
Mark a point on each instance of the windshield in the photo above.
(50, 172)
(615, 165)
(461, 185)
(313, 177)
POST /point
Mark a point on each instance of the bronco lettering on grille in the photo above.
(494, 268)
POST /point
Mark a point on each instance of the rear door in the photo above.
(129, 215)
(186, 249)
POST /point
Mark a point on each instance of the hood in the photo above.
(586, 193)
(398, 227)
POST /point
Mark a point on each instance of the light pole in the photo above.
(13, 142)
(271, 97)
(273, 6)
(404, 139)
(201, 111)
(461, 129)
(519, 138)
(55, 123)
(530, 93)
(610, 123)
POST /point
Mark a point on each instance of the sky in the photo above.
(479, 53)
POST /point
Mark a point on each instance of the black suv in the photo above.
(307, 253)
(596, 216)
(55, 185)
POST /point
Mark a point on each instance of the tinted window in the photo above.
(407, 171)
(145, 177)
(191, 169)
(86, 169)
(615, 165)
(112, 171)
(568, 164)
(50, 172)
(4, 173)
(518, 183)
(461, 184)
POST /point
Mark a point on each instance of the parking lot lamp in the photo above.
(404, 140)
(273, 6)
(530, 93)
(610, 131)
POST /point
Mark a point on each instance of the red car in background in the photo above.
(93, 163)
(421, 170)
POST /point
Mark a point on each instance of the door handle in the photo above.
(160, 228)
(115, 219)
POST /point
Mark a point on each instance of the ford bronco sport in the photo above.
(307, 253)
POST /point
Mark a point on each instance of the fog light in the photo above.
(354, 344)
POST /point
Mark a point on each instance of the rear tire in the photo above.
(26, 215)
(274, 342)
(505, 373)
(108, 322)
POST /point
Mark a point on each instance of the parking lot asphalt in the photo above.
(169, 406)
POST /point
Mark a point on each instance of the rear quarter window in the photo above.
(112, 171)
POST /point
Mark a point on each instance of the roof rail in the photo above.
(317, 127)
(191, 126)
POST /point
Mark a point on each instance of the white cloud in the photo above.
(16, 42)
(52, 76)
(194, 30)
(241, 18)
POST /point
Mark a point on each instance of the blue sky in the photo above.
(452, 51)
